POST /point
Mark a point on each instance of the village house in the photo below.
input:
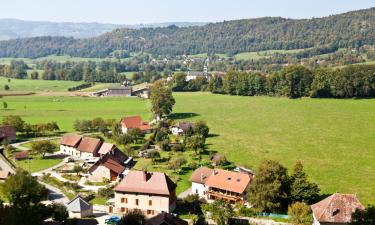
(132, 122)
(192, 75)
(69, 144)
(79, 208)
(149, 192)
(7, 133)
(89, 147)
(181, 128)
(212, 184)
(336, 209)
(111, 165)
(165, 219)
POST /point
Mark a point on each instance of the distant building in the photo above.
(21, 155)
(165, 219)
(79, 208)
(7, 133)
(69, 144)
(180, 128)
(141, 90)
(337, 209)
(192, 75)
(132, 122)
(120, 91)
(149, 192)
(89, 147)
(213, 184)
(110, 165)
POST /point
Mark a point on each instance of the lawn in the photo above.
(333, 138)
(264, 54)
(37, 164)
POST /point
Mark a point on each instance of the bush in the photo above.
(106, 192)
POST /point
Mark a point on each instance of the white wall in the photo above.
(199, 189)
(67, 150)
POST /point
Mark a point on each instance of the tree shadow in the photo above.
(179, 116)
(212, 135)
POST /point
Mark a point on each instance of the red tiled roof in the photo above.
(147, 183)
(201, 174)
(337, 208)
(228, 180)
(135, 122)
(105, 148)
(8, 132)
(165, 218)
(89, 144)
(71, 140)
(4, 174)
(112, 160)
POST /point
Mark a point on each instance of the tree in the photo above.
(5, 105)
(153, 154)
(301, 189)
(179, 82)
(133, 217)
(14, 121)
(6, 87)
(136, 134)
(162, 100)
(43, 147)
(270, 189)
(22, 189)
(176, 163)
(34, 75)
(195, 143)
(364, 217)
(222, 212)
(77, 169)
(201, 128)
(300, 214)
(59, 212)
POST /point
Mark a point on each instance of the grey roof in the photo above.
(120, 88)
(78, 205)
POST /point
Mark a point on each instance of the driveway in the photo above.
(55, 194)
(185, 194)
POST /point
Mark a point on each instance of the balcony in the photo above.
(228, 196)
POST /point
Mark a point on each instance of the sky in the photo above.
(155, 11)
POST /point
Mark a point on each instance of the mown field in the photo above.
(333, 138)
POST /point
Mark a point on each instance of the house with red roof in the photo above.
(89, 147)
(149, 192)
(212, 184)
(132, 122)
(336, 209)
(69, 144)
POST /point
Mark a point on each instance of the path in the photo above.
(18, 144)
(185, 194)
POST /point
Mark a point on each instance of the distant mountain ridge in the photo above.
(14, 28)
(347, 30)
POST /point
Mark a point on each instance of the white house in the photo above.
(192, 75)
(198, 180)
(132, 122)
(69, 144)
(89, 147)
(180, 128)
(79, 208)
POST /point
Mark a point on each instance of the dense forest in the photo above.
(349, 30)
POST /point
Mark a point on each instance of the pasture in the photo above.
(333, 138)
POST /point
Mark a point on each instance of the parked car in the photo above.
(113, 220)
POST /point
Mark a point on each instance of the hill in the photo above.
(13, 28)
(352, 29)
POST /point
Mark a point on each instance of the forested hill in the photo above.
(351, 29)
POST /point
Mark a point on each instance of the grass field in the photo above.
(333, 138)
(37, 164)
(264, 54)
(37, 85)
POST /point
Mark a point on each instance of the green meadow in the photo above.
(334, 138)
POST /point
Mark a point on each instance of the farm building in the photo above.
(7, 133)
(140, 90)
(69, 144)
(89, 147)
(150, 192)
(337, 209)
(213, 184)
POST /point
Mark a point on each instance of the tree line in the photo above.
(298, 81)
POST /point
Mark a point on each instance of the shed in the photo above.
(79, 208)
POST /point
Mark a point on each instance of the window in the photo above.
(136, 202)
(122, 200)
(150, 202)
(123, 209)
(150, 212)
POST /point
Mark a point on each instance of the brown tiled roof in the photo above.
(135, 122)
(165, 219)
(4, 174)
(228, 180)
(201, 174)
(111, 162)
(337, 208)
(89, 144)
(105, 148)
(8, 132)
(71, 140)
(21, 155)
(147, 183)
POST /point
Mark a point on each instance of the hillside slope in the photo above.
(351, 29)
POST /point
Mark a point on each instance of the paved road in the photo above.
(55, 194)
(184, 194)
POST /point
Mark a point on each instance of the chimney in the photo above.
(144, 176)
(213, 172)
